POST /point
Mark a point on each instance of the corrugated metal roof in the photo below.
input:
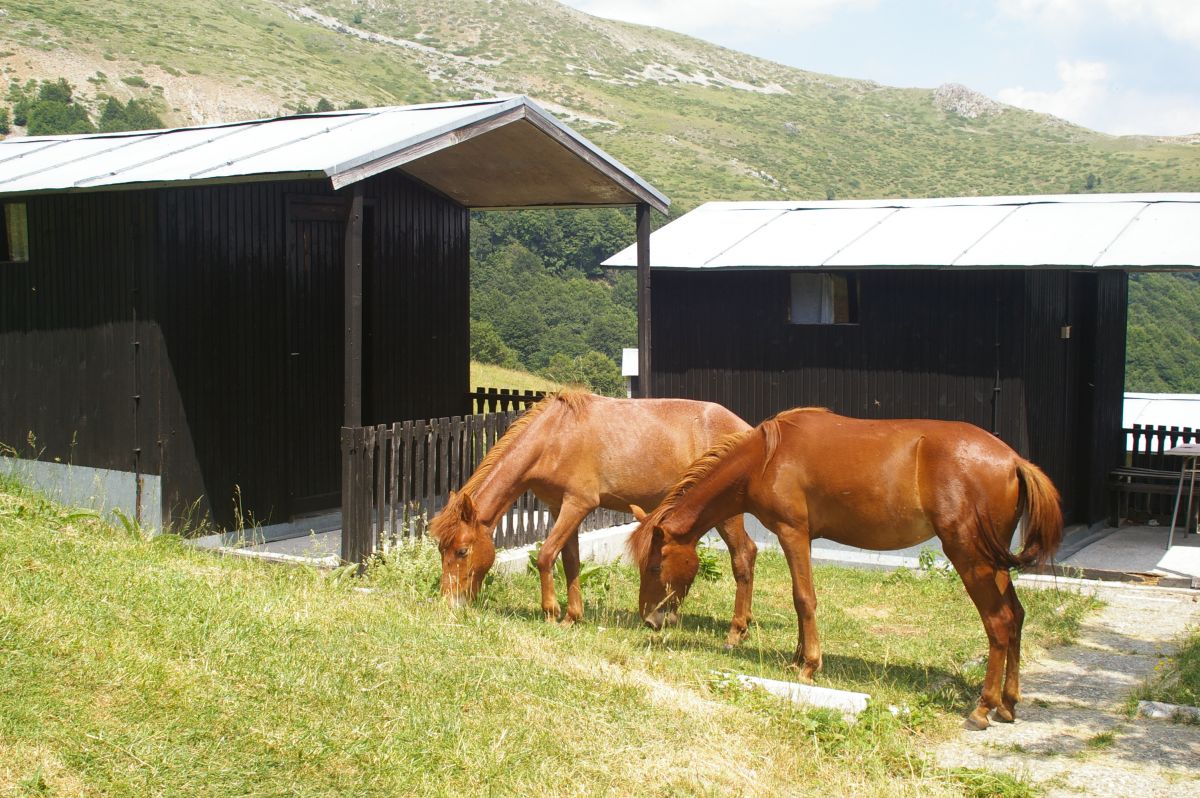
(1124, 231)
(1167, 409)
(344, 146)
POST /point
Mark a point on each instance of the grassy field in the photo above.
(485, 375)
(140, 667)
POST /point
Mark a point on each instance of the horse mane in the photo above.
(638, 543)
(786, 415)
(574, 398)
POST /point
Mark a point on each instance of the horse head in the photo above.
(466, 546)
(667, 568)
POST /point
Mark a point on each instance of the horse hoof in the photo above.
(977, 720)
(803, 672)
(567, 622)
(734, 639)
(551, 617)
(1005, 714)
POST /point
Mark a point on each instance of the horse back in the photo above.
(889, 483)
(628, 450)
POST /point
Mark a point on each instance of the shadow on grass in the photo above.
(933, 686)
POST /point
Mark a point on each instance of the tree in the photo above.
(324, 106)
(522, 328)
(50, 118)
(625, 290)
(136, 115)
(488, 347)
(5, 127)
(57, 92)
(592, 370)
(21, 98)
(611, 330)
(48, 109)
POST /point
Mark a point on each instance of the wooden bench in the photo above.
(1130, 480)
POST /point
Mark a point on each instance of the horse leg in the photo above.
(1007, 711)
(742, 553)
(797, 548)
(570, 558)
(983, 582)
(566, 524)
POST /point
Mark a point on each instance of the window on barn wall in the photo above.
(15, 244)
(823, 298)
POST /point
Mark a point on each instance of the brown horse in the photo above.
(577, 451)
(809, 473)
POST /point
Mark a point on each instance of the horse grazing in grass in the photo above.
(809, 473)
(577, 451)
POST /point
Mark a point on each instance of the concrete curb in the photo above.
(844, 701)
(1160, 711)
(329, 562)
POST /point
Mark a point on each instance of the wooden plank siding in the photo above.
(195, 299)
(925, 346)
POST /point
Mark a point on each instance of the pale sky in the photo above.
(1118, 66)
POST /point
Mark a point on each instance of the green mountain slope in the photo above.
(699, 121)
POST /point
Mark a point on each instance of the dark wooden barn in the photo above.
(1009, 313)
(188, 317)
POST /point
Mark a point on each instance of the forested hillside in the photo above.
(699, 121)
(1163, 342)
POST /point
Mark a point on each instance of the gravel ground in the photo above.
(1072, 735)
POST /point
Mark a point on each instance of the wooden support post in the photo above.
(350, 529)
(354, 311)
(643, 300)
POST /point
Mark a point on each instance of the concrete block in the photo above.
(844, 701)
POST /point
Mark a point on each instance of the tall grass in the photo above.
(143, 667)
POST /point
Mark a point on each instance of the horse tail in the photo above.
(1039, 505)
(1043, 513)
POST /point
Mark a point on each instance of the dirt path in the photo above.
(1072, 735)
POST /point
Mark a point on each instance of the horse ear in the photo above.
(466, 508)
(638, 512)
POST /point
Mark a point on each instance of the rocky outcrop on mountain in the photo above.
(957, 99)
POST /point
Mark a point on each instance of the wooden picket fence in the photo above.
(1147, 484)
(1144, 445)
(397, 477)
(502, 400)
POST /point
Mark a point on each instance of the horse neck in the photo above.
(717, 495)
(507, 479)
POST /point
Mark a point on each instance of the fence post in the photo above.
(358, 531)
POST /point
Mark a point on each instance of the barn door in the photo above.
(313, 401)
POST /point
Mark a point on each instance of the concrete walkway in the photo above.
(1072, 735)
(1128, 550)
